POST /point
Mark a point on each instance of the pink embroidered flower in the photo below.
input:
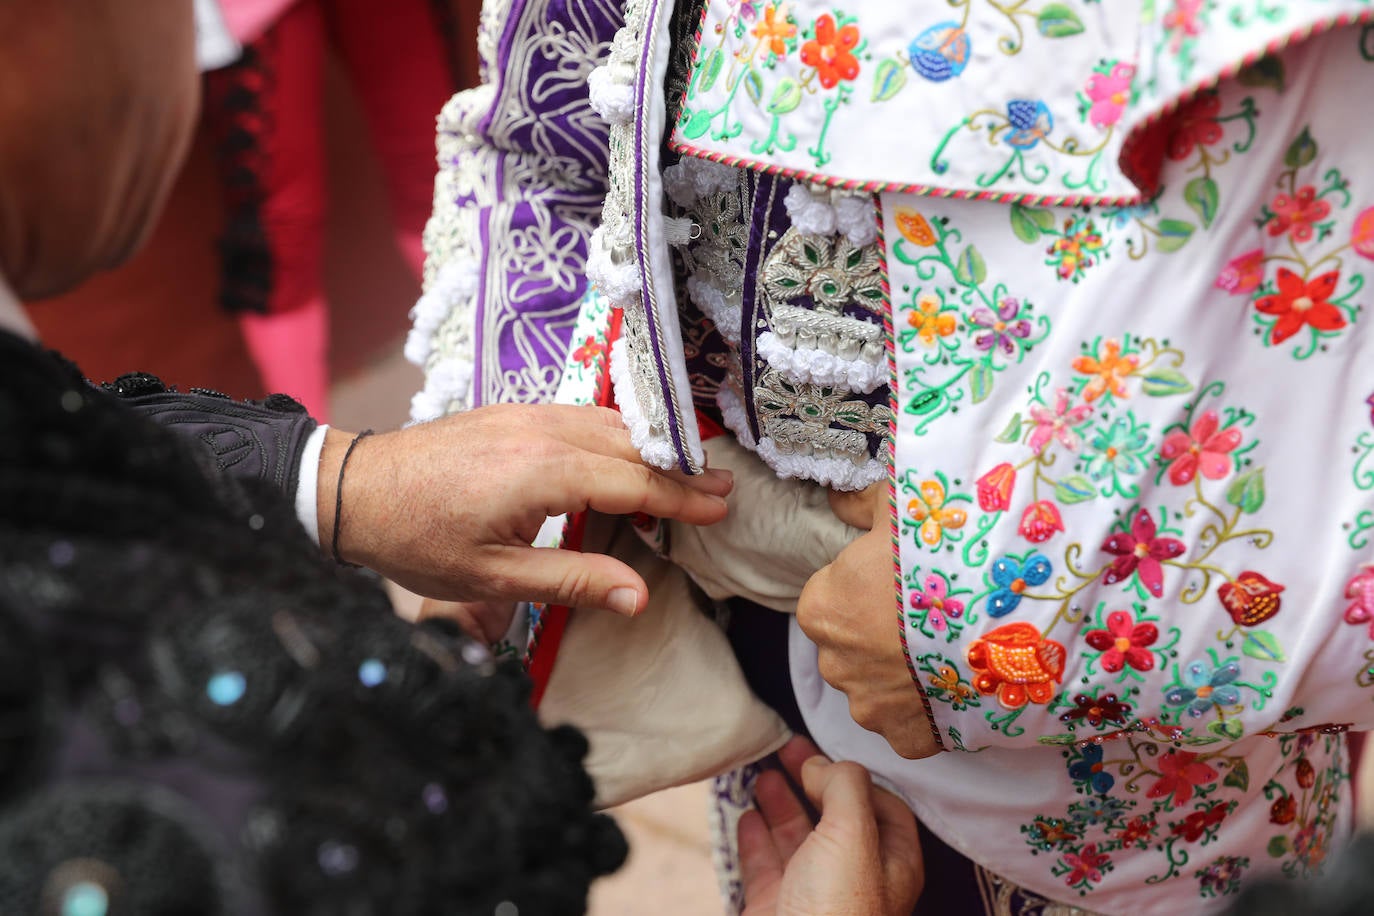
(1362, 234)
(1296, 214)
(831, 52)
(1182, 22)
(1360, 591)
(1085, 866)
(935, 601)
(1301, 302)
(1242, 274)
(1058, 423)
(1124, 642)
(589, 352)
(1181, 773)
(1040, 522)
(1141, 551)
(994, 488)
(1195, 125)
(1109, 93)
(1204, 448)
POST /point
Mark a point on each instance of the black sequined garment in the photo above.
(199, 715)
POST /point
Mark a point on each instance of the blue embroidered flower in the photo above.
(1012, 578)
(1088, 770)
(1030, 121)
(1204, 687)
(941, 52)
(1097, 809)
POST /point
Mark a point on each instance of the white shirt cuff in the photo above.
(307, 484)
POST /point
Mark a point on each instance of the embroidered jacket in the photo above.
(1093, 285)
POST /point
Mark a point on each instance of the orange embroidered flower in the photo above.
(934, 516)
(774, 29)
(914, 227)
(1108, 370)
(831, 51)
(946, 680)
(1017, 664)
(929, 321)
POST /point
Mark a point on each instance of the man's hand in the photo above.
(862, 859)
(448, 509)
(848, 610)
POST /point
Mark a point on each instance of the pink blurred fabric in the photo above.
(248, 19)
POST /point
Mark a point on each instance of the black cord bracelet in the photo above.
(338, 498)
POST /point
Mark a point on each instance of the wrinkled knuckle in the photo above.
(830, 669)
(576, 587)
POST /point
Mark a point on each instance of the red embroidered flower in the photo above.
(1242, 274)
(1085, 866)
(1296, 214)
(1305, 773)
(1040, 522)
(1251, 599)
(589, 352)
(994, 488)
(1192, 827)
(1141, 551)
(1124, 642)
(1180, 774)
(1138, 830)
(1300, 302)
(1283, 810)
(1017, 664)
(1204, 448)
(1195, 125)
(831, 51)
(1362, 234)
(1096, 710)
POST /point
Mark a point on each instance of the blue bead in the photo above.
(226, 688)
(85, 899)
(371, 672)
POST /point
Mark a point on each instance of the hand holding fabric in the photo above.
(862, 859)
(449, 509)
(847, 610)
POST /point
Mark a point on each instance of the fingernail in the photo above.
(623, 601)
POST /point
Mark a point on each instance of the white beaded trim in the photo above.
(655, 450)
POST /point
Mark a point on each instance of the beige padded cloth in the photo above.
(661, 697)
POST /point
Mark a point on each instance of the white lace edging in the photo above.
(714, 305)
(448, 387)
(454, 286)
(813, 366)
(654, 449)
(838, 473)
(736, 420)
(826, 211)
(619, 282)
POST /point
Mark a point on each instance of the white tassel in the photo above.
(618, 282)
(611, 95)
(857, 218)
(810, 215)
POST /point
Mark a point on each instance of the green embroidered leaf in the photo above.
(1057, 740)
(888, 79)
(697, 125)
(925, 402)
(1278, 846)
(1202, 195)
(1058, 21)
(1262, 645)
(1233, 729)
(980, 382)
(753, 86)
(1239, 777)
(1163, 383)
(1246, 492)
(1013, 431)
(971, 269)
(785, 98)
(1074, 489)
(1043, 218)
(1174, 234)
(1301, 152)
(1267, 72)
(711, 72)
(1025, 228)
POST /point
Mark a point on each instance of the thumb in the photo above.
(566, 577)
(843, 794)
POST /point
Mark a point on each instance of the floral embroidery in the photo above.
(1298, 303)
(1011, 577)
(1107, 369)
(831, 52)
(1124, 642)
(946, 685)
(775, 30)
(1205, 688)
(1040, 522)
(1360, 592)
(995, 488)
(931, 511)
(1251, 599)
(1118, 451)
(1108, 91)
(1204, 447)
(1078, 248)
(1141, 551)
(1181, 773)
(1057, 424)
(1095, 711)
(1085, 868)
(1295, 214)
(940, 608)
(931, 320)
(1222, 877)
(1017, 665)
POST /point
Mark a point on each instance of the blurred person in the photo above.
(203, 712)
(266, 113)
